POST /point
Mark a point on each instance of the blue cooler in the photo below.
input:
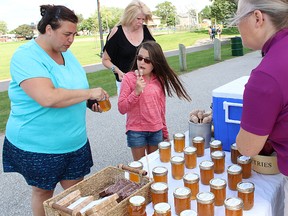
(227, 111)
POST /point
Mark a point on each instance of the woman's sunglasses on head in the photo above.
(146, 60)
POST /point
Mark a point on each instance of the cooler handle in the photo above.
(226, 108)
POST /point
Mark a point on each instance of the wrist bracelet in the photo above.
(113, 68)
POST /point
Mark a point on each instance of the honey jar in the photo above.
(234, 153)
(218, 188)
(188, 212)
(179, 142)
(162, 209)
(199, 143)
(234, 173)
(218, 158)
(182, 200)
(205, 204)
(159, 192)
(177, 166)
(164, 151)
(215, 145)
(137, 206)
(246, 164)
(160, 174)
(133, 176)
(233, 206)
(206, 171)
(246, 193)
(190, 157)
(191, 180)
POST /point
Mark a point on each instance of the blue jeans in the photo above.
(143, 138)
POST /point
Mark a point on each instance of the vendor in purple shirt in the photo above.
(263, 25)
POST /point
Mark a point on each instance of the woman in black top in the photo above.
(124, 39)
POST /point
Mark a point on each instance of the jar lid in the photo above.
(198, 139)
(191, 178)
(205, 197)
(177, 159)
(159, 187)
(244, 159)
(215, 143)
(162, 208)
(182, 192)
(217, 154)
(206, 165)
(164, 145)
(136, 164)
(245, 187)
(217, 183)
(137, 200)
(160, 170)
(190, 150)
(234, 169)
(234, 146)
(188, 212)
(178, 135)
(233, 203)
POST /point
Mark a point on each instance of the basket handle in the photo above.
(65, 209)
(133, 170)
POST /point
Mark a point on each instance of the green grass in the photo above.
(87, 53)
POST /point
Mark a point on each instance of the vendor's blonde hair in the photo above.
(277, 10)
(132, 11)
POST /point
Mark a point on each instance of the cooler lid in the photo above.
(233, 89)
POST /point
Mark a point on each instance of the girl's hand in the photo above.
(140, 83)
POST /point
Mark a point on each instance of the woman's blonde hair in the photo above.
(132, 11)
(277, 10)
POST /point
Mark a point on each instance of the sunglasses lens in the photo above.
(140, 58)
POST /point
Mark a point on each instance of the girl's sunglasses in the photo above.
(146, 60)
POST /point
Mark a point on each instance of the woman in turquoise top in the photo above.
(46, 139)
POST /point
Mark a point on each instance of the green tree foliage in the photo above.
(167, 12)
(110, 16)
(24, 31)
(3, 27)
(222, 10)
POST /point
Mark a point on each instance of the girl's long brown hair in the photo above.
(165, 74)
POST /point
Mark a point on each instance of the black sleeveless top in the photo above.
(121, 51)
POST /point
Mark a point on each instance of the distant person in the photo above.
(213, 32)
(263, 25)
(219, 31)
(143, 98)
(46, 139)
(124, 39)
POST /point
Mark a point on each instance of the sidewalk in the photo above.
(106, 131)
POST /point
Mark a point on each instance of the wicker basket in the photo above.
(95, 184)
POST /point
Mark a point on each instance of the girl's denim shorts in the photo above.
(46, 170)
(143, 138)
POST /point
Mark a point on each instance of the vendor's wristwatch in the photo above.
(113, 68)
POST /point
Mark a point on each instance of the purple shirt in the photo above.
(265, 99)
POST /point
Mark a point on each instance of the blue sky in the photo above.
(18, 12)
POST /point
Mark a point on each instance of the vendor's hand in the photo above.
(96, 108)
(98, 94)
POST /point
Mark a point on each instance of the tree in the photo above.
(167, 12)
(3, 27)
(110, 17)
(222, 10)
(24, 31)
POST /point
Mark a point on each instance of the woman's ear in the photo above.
(259, 18)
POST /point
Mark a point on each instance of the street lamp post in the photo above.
(100, 27)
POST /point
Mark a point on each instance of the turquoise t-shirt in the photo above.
(35, 128)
